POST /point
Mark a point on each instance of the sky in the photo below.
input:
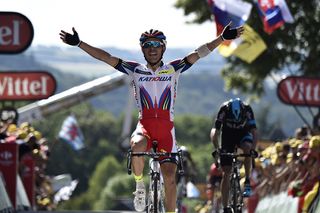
(115, 23)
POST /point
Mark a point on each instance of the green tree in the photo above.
(100, 130)
(121, 185)
(293, 46)
(192, 130)
(107, 168)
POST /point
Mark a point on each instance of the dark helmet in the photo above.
(235, 107)
(153, 34)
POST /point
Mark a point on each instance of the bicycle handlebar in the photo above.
(155, 155)
(236, 155)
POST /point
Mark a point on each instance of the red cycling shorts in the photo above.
(158, 129)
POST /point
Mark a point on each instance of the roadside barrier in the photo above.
(22, 198)
(5, 203)
(278, 203)
(13, 196)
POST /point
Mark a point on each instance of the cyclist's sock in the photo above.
(247, 181)
(139, 183)
(138, 178)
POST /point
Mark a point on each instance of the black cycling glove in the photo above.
(229, 34)
(216, 153)
(254, 153)
(74, 39)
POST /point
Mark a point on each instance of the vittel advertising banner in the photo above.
(297, 90)
(30, 85)
(27, 172)
(16, 33)
(9, 168)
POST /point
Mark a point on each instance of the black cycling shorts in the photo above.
(230, 139)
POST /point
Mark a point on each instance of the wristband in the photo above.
(79, 43)
(203, 51)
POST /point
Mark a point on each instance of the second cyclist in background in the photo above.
(236, 123)
(189, 167)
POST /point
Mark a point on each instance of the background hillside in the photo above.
(200, 91)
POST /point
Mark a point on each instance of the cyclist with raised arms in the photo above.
(236, 123)
(155, 92)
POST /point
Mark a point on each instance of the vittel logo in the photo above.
(6, 155)
(16, 32)
(34, 85)
(299, 90)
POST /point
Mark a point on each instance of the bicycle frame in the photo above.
(155, 202)
(235, 192)
(181, 192)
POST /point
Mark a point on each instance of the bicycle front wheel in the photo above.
(155, 198)
(236, 199)
(152, 206)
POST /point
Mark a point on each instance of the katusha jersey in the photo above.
(155, 91)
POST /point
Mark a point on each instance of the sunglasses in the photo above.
(149, 44)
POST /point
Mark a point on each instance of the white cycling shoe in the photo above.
(139, 201)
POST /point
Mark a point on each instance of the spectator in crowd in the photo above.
(213, 181)
(189, 166)
(303, 133)
(316, 123)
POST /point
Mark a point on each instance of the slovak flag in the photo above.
(274, 13)
(225, 11)
(71, 133)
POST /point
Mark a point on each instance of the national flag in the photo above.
(248, 47)
(274, 13)
(71, 133)
(225, 11)
(65, 192)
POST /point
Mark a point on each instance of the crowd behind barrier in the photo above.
(287, 169)
(31, 146)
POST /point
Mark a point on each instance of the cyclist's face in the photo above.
(153, 53)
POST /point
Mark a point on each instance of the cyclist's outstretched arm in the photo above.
(205, 49)
(99, 54)
(95, 52)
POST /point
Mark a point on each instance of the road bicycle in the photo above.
(155, 198)
(181, 192)
(235, 192)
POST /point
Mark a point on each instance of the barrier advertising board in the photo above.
(9, 168)
(299, 90)
(30, 85)
(16, 33)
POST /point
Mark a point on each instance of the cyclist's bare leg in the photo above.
(246, 147)
(168, 172)
(138, 144)
(225, 185)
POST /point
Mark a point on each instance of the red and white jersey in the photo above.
(155, 91)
